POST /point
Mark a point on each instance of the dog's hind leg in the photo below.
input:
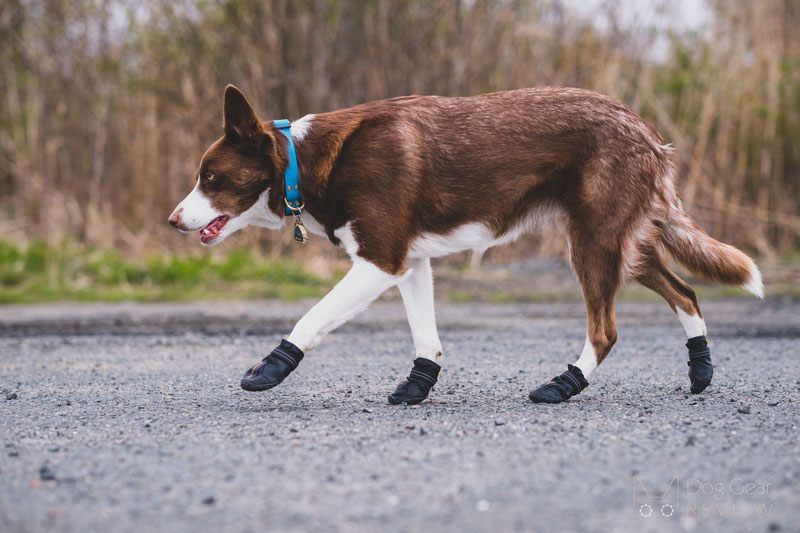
(654, 274)
(598, 267)
(362, 284)
(417, 292)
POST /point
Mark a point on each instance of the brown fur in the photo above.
(399, 168)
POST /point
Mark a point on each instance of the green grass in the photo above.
(460, 296)
(69, 272)
(38, 273)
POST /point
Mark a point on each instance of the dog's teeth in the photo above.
(205, 232)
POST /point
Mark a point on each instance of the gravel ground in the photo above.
(129, 418)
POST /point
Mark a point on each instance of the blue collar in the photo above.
(291, 178)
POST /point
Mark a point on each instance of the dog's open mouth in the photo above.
(211, 231)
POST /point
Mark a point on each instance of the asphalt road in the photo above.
(129, 418)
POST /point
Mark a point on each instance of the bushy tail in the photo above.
(707, 257)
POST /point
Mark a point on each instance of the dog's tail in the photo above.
(703, 255)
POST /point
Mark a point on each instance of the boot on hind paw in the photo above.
(418, 385)
(700, 368)
(560, 388)
(273, 369)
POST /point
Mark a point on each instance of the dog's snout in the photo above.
(175, 219)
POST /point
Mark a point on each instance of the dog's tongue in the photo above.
(212, 230)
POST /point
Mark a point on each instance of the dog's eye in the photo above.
(208, 176)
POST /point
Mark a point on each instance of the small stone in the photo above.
(12, 396)
(499, 422)
(772, 404)
(422, 431)
(691, 440)
(744, 410)
(365, 410)
(209, 500)
(45, 474)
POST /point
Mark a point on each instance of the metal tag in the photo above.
(300, 232)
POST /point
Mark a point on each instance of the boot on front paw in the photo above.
(418, 385)
(700, 368)
(273, 369)
(560, 388)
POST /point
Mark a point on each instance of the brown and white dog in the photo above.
(399, 181)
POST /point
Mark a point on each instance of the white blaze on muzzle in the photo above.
(195, 211)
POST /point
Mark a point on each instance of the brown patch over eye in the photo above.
(240, 174)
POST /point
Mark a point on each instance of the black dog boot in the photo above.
(560, 388)
(700, 367)
(274, 368)
(418, 385)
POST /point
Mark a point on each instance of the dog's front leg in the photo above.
(417, 291)
(360, 286)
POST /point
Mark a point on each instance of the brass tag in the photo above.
(300, 231)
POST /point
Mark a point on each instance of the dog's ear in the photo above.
(238, 118)
(240, 123)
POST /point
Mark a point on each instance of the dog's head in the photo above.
(235, 178)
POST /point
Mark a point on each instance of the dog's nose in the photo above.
(175, 219)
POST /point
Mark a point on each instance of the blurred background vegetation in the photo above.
(107, 105)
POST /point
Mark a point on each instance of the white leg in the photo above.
(362, 284)
(692, 324)
(417, 292)
(587, 362)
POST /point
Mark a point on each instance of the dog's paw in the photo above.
(700, 368)
(273, 369)
(420, 381)
(560, 388)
